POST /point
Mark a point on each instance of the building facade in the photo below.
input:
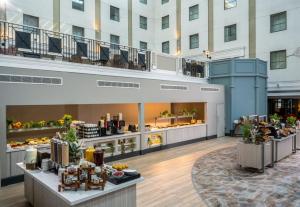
(267, 30)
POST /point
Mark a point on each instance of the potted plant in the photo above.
(275, 119)
(291, 121)
(74, 148)
(250, 150)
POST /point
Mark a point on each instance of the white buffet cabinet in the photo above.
(169, 136)
(41, 190)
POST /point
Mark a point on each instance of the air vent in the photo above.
(173, 87)
(209, 89)
(116, 84)
(10, 78)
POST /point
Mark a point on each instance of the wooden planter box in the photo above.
(284, 147)
(255, 156)
(298, 139)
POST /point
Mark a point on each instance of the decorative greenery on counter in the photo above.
(291, 121)
(275, 119)
(74, 148)
(253, 134)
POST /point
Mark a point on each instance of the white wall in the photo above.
(168, 34)
(288, 39)
(70, 17)
(109, 26)
(138, 34)
(42, 9)
(237, 15)
(199, 26)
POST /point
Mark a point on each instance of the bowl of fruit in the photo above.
(118, 174)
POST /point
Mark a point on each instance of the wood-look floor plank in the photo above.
(167, 173)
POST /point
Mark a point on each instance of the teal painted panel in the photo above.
(245, 66)
(241, 98)
(261, 67)
(219, 68)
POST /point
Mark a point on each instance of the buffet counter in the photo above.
(41, 189)
(143, 142)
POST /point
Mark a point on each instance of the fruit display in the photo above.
(154, 139)
(119, 166)
(66, 120)
(30, 141)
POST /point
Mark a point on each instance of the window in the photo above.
(278, 22)
(278, 60)
(30, 20)
(143, 22)
(78, 31)
(114, 13)
(228, 4)
(143, 45)
(165, 22)
(143, 1)
(165, 47)
(164, 1)
(78, 4)
(115, 41)
(194, 41)
(230, 33)
(194, 12)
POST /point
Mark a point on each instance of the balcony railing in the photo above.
(34, 42)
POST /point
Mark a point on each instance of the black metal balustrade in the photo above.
(33, 42)
(193, 68)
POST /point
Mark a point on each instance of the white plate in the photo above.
(129, 171)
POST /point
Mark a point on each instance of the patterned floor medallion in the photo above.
(220, 182)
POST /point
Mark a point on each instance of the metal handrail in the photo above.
(72, 48)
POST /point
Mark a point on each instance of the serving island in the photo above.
(41, 190)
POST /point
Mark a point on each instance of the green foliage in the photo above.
(275, 117)
(74, 148)
(71, 136)
(67, 120)
(246, 131)
(291, 120)
(194, 111)
(74, 151)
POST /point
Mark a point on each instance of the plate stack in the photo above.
(86, 131)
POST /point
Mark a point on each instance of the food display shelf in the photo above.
(33, 129)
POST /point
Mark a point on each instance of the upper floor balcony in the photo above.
(32, 42)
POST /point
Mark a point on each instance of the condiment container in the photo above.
(45, 164)
(89, 154)
(65, 153)
(30, 158)
(98, 157)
